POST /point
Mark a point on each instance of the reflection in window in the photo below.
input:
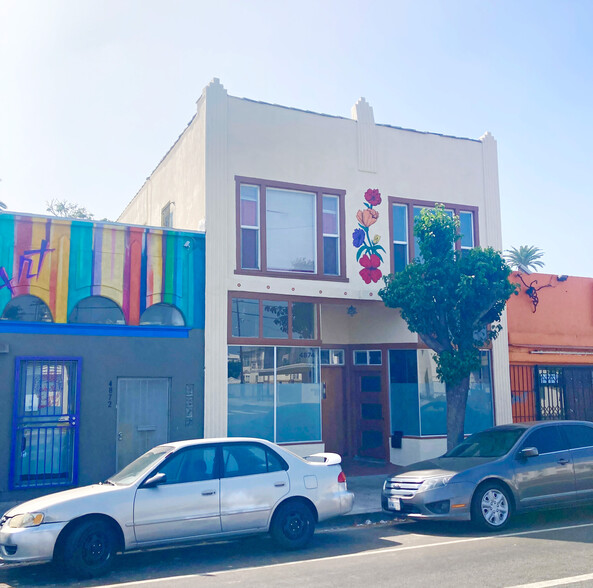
(251, 392)
(27, 308)
(304, 320)
(164, 315)
(97, 310)
(332, 357)
(274, 393)
(298, 396)
(433, 397)
(291, 230)
(275, 319)
(245, 317)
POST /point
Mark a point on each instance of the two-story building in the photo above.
(303, 214)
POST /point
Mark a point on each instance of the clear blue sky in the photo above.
(94, 92)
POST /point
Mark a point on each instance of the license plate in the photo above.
(394, 503)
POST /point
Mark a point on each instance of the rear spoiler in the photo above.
(325, 458)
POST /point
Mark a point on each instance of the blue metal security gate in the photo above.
(45, 429)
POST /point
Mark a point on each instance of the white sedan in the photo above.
(176, 493)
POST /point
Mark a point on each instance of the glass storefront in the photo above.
(419, 401)
(274, 393)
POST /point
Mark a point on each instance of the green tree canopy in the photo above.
(453, 299)
(67, 209)
(525, 259)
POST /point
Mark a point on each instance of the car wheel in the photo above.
(88, 550)
(293, 525)
(491, 507)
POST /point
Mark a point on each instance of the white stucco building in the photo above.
(299, 348)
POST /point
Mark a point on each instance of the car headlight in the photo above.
(436, 482)
(29, 519)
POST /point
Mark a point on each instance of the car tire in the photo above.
(491, 507)
(293, 525)
(88, 550)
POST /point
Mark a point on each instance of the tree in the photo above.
(524, 258)
(68, 209)
(453, 300)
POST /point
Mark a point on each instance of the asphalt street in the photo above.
(537, 551)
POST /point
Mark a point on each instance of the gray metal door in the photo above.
(142, 416)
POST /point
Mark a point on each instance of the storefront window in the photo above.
(298, 394)
(251, 392)
(419, 399)
(274, 393)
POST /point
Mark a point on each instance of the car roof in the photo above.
(533, 424)
(208, 441)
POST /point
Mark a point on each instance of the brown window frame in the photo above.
(319, 192)
(289, 340)
(410, 204)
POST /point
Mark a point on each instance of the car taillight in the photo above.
(341, 478)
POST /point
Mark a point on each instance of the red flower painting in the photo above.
(370, 272)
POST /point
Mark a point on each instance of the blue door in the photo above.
(45, 431)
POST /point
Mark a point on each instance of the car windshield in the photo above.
(139, 466)
(492, 443)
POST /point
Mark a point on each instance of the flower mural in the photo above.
(368, 254)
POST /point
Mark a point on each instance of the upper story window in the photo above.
(290, 230)
(97, 310)
(403, 216)
(163, 315)
(27, 308)
(167, 214)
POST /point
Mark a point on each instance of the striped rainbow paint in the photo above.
(64, 261)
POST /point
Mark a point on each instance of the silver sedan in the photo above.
(498, 472)
(178, 493)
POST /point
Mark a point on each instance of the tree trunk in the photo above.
(456, 403)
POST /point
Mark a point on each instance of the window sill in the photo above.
(292, 275)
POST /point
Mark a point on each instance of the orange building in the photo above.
(550, 328)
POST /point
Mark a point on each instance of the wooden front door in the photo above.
(332, 410)
(369, 413)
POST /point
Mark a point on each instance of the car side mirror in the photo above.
(528, 452)
(155, 480)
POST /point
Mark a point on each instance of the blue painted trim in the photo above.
(17, 399)
(31, 328)
(13, 450)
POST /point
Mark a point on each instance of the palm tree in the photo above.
(525, 259)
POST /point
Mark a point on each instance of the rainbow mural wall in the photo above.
(63, 261)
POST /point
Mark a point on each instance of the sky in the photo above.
(94, 92)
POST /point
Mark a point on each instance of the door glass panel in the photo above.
(371, 411)
(370, 383)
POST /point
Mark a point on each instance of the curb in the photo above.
(359, 520)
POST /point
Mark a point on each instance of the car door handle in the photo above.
(280, 484)
(563, 461)
(208, 492)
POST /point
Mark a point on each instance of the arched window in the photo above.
(164, 315)
(27, 308)
(97, 310)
